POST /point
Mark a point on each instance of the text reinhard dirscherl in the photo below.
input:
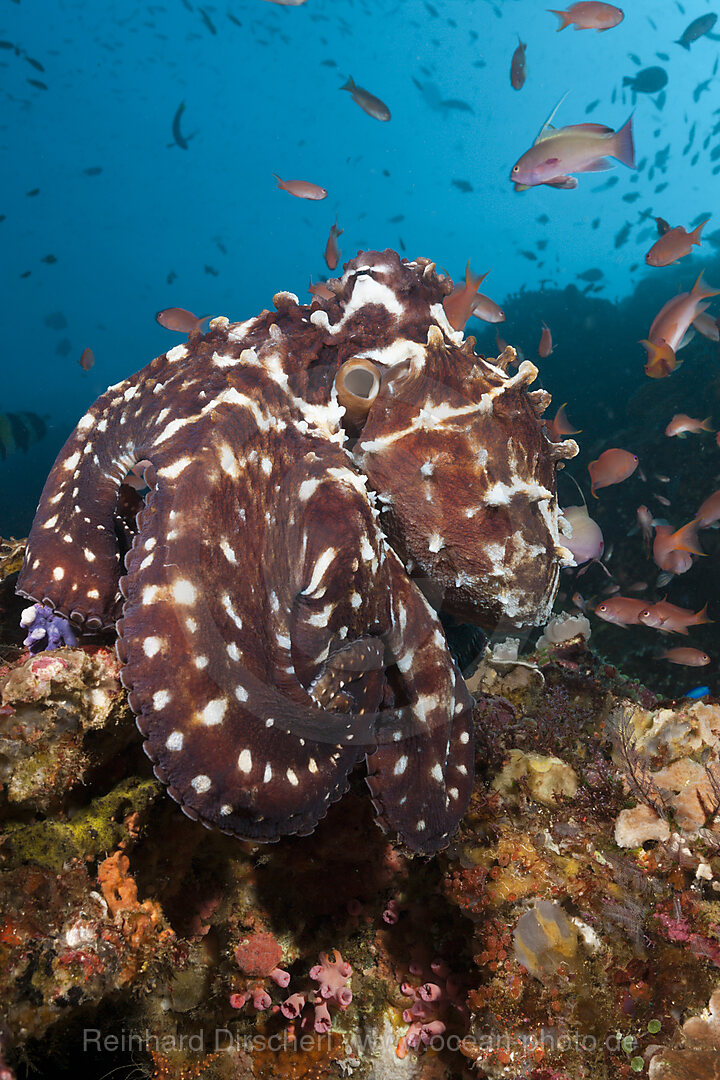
(218, 1040)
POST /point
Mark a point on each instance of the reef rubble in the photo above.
(570, 931)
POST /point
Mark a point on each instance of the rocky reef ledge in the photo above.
(570, 930)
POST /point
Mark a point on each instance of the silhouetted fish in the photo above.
(647, 81)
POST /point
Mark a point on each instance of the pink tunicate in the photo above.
(354, 908)
(238, 1000)
(322, 1019)
(431, 1031)
(261, 1000)
(440, 968)
(293, 1006)
(282, 978)
(391, 914)
(430, 992)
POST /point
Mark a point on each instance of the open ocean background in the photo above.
(92, 177)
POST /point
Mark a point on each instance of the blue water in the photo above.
(265, 97)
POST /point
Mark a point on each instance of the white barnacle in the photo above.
(171, 472)
(201, 783)
(400, 765)
(241, 693)
(245, 761)
(453, 793)
(191, 625)
(267, 775)
(232, 650)
(147, 561)
(225, 810)
(312, 765)
(201, 662)
(420, 825)
(161, 698)
(184, 591)
(462, 769)
(92, 594)
(152, 646)
(58, 573)
(437, 773)
(89, 555)
(435, 542)
(266, 465)
(292, 778)
(174, 740)
(213, 712)
(71, 462)
(464, 737)
(50, 523)
(355, 600)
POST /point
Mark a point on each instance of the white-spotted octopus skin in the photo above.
(270, 635)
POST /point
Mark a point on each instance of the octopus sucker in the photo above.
(243, 511)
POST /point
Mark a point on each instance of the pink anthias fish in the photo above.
(673, 548)
(460, 304)
(558, 152)
(546, 342)
(332, 254)
(589, 15)
(674, 244)
(670, 326)
(612, 467)
(517, 66)
(487, 310)
(709, 511)
(301, 189)
(682, 424)
(621, 610)
(586, 541)
(672, 619)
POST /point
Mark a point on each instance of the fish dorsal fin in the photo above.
(547, 129)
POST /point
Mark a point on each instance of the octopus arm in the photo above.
(421, 773)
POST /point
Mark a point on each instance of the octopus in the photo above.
(316, 484)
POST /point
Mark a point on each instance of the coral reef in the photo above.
(570, 931)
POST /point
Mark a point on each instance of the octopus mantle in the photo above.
(315, 474)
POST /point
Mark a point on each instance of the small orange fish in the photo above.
(332, 255)
(459, 304)
(621, 610)
(87, 359)
(301, 189)
(517, 67)
(589, 15)
(179, 319)
(670, 326)
(672, 549)
(688, 657)
(487, 310)
(319, 288)
(674, 244)
(671, 618)
(682, 423)
(612, 467)
(546, 342)
(646, 522)
(561, 426)
(709, 511)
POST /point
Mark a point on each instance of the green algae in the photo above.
(96, 829)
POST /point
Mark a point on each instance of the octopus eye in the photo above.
(357, 383)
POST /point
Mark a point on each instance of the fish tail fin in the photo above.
(564, 16)
(280, 183)
(701, 291)
(349, 85)
(623, 146)
(473, 281)
(706, 424)
(685, 539)
(695, 234)
(684, 45)
(701, 617)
